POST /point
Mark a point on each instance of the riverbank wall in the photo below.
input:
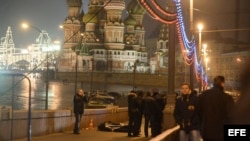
(138, 79)
(14, 124)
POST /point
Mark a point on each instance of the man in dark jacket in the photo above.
(138, 117)
(185, 114)
(149, 112)
(240, 112)
(133, 112)
(78, 100)
(213, 107)
(160, 103)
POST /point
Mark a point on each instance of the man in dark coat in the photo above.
(133, 112)
(240, 112)
(160, 102)
(78, 100)
(149, 112)
(138, 117)
(185, 114)
(213, 107)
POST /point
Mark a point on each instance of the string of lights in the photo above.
(188, 46)
(155, 15)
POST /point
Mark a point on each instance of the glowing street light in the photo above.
(25, 26)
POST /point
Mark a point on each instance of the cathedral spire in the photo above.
(74, 7)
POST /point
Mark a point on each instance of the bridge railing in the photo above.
(168, 135)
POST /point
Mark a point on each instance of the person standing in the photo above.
(138, 116)
(185, 114)
(78, 100)
(132, 113)
(240, 112)
(149, 112)
(213, 107)
(160, 103)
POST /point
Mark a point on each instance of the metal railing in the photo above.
(164, 135)
(13, 75)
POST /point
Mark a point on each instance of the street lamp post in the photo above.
(25, 25)
(206, 64)
(200, 27)
(191, 7)
(77, 51)
(134, 72)
(205, 57)
(204, 52)
(92, 69)
(76, 69)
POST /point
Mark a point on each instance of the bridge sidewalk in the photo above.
(90, 135)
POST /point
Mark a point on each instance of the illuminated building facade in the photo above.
(31, 58)
(101, 40)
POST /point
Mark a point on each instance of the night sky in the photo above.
(49, 14)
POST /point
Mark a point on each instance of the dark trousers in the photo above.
(158, 124)
(134, 124)
(138, 119)
(78, 118)
(131, 125)
(149, 119)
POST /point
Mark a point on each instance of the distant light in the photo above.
(200, 27)
(24, 51)
(57, 42)
(206, 59)
(25, 25)
(238, 59)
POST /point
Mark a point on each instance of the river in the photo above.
(14, 92)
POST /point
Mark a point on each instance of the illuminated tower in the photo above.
(114, 27)
(114, 32)
(137, 12)
(106, 43)
(72, 30)
(7, 47)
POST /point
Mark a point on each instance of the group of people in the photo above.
(147, 104)
(199, 115)
(203, 116)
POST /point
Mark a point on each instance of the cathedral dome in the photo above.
(91, 16)
(130, 20)
(135, 8)
(74, 3)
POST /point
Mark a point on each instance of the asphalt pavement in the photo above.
(88, 135)
(91, 135)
